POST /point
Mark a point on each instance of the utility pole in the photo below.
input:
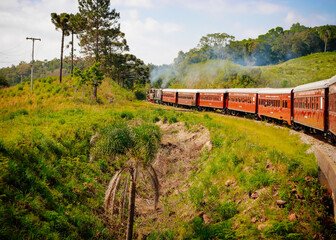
(32, 66)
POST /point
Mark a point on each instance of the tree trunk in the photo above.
(131, 207)
(95, 89)
(325, 41)
(62, 46)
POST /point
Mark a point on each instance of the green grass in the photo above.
(49, 189)
(256, 159)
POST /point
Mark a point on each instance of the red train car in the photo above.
(332, 107)
(187, 97)
(275, 103)
(310, 105)
(242, 100)
(169, 96)
(212, 98)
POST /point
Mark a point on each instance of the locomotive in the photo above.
(310, 107)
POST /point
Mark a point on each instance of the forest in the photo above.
(220, 52)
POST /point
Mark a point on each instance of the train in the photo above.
(310, 107)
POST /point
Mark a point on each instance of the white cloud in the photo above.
(150, 39)
(311, 20)
(21, 19)
(234, 7)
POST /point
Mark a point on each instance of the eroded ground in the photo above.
(180, 148)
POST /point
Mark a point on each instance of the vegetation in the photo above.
(234, 190)
(54, 173)
(226, 74)
(3, 81)
(277, 45)
(221, 59)
(66, 161)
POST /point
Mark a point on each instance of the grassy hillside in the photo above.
(51, 189)
(225, 74)
(299, 71)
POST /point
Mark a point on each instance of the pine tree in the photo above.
(102, 35)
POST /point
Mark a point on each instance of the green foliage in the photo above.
(221, 230)
(3, 81)
(12, 115)
(213, 63)
(172, 119)
(43, 177)
(90, 77)
(226, 74)
(283, 230)
(101, 33)
(164, 235)
(114, 139)
(127, 115)
(147, 139)
(140, 95)
(227, 210)
(129, 72)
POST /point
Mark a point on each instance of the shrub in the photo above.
(127, 115)
(172, 119)
(227, 210)
(140, 95)
(115, 139)
(147, 141)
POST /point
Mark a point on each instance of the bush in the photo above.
(140, 95)
(172, 119)
(115, 139)
(147, 139)
(220, 230)
(127, 115)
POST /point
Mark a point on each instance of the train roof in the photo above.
(212, 90)
(275, 91)
(188, 90)
(243, 90)
(181, 90)
(169, 90)
(316, 85)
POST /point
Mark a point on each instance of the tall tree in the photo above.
(76, 25)
(215, 43)
(61, 22)
(102, 35)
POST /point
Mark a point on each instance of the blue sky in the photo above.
(156, 29)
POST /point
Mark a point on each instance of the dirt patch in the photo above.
(179, 151)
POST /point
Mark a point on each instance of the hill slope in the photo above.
(50, 187)
(225, 74)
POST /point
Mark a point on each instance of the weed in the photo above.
(127, 115)
(172, 119)
(164, 235)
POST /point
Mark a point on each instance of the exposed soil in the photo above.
(176, 158)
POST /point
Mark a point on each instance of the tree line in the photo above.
(101, 41)
(276, 46)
